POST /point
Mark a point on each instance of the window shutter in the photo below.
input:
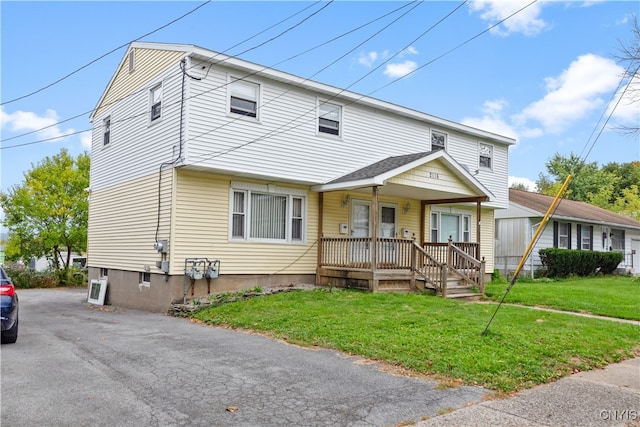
(579, 234)
(569, 235)
(555, 234)
(591, 237)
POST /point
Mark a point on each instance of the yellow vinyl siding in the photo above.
(432, 174)
(148, 64)
(202, 230)
(487, 237)
(122, 224)
(335, 214)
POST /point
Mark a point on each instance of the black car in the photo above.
(8, 309)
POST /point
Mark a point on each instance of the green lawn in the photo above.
(614, 296)
(432, 335)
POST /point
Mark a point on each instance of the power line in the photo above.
(275, 132)
(200, 94)
(104, 55)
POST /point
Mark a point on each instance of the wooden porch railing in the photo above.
(434, 262)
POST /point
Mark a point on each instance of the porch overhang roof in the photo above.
(380, 173)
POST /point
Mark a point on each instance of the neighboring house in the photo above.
(43, 263)
(573, 225)
(198, 157)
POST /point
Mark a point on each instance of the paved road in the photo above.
(80, 365)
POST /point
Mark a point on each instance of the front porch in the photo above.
(451, 269)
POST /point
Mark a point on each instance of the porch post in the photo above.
(320, 235)
(478, 215)
(373, 284)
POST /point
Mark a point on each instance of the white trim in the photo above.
(96, 295)
(327, 90)
(289, 193)
(240, 80)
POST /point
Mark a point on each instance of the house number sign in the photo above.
(434, 175)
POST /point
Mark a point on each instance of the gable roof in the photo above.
(378, 173)
(569, 209)
(189, 50)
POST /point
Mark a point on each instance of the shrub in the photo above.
(566, 262)
(28, 278)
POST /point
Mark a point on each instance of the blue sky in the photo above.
(546, 76)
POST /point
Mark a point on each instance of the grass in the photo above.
(435, 336)
(613, 296)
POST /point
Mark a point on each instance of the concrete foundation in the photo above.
(124, 288)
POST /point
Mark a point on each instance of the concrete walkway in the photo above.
(602, 397)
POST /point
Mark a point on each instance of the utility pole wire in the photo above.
(534, 239)
(102, 56)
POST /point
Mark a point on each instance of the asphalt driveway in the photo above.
(78, 365)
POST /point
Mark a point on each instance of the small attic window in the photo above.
(132, 60)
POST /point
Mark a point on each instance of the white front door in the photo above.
(360, 227)
(388, 253)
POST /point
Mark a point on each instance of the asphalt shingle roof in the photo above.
(378, 168)
(569, 209)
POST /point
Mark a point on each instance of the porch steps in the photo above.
(456, 290)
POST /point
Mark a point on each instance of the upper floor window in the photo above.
(106, 126)
(243, 98)
(155, 99)
(267, 213)
(329, 116)
(486, 156)
(438, 140)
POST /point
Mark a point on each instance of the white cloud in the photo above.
(531, 185)
(400, 69)
(527, 21)
(367, 59)
(627, 111)
(409, 51)
(491, 119)
(26, 121)
(574, 93)
(85, 139)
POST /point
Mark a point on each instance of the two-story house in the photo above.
(210, 173)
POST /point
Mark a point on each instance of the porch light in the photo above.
(345, 202)
(406, 208)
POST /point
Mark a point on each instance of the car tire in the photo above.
(10, 336)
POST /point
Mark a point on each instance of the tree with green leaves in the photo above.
(47, 213)
(613, 187)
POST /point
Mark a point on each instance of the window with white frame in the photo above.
(563, 235)
(438, 140)
(329, 117)
(243, 98)
(106, 134)
(267, 213)
(454, 226)
(486, 156)
(145, 277)
(617, 239)
(155, 99)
